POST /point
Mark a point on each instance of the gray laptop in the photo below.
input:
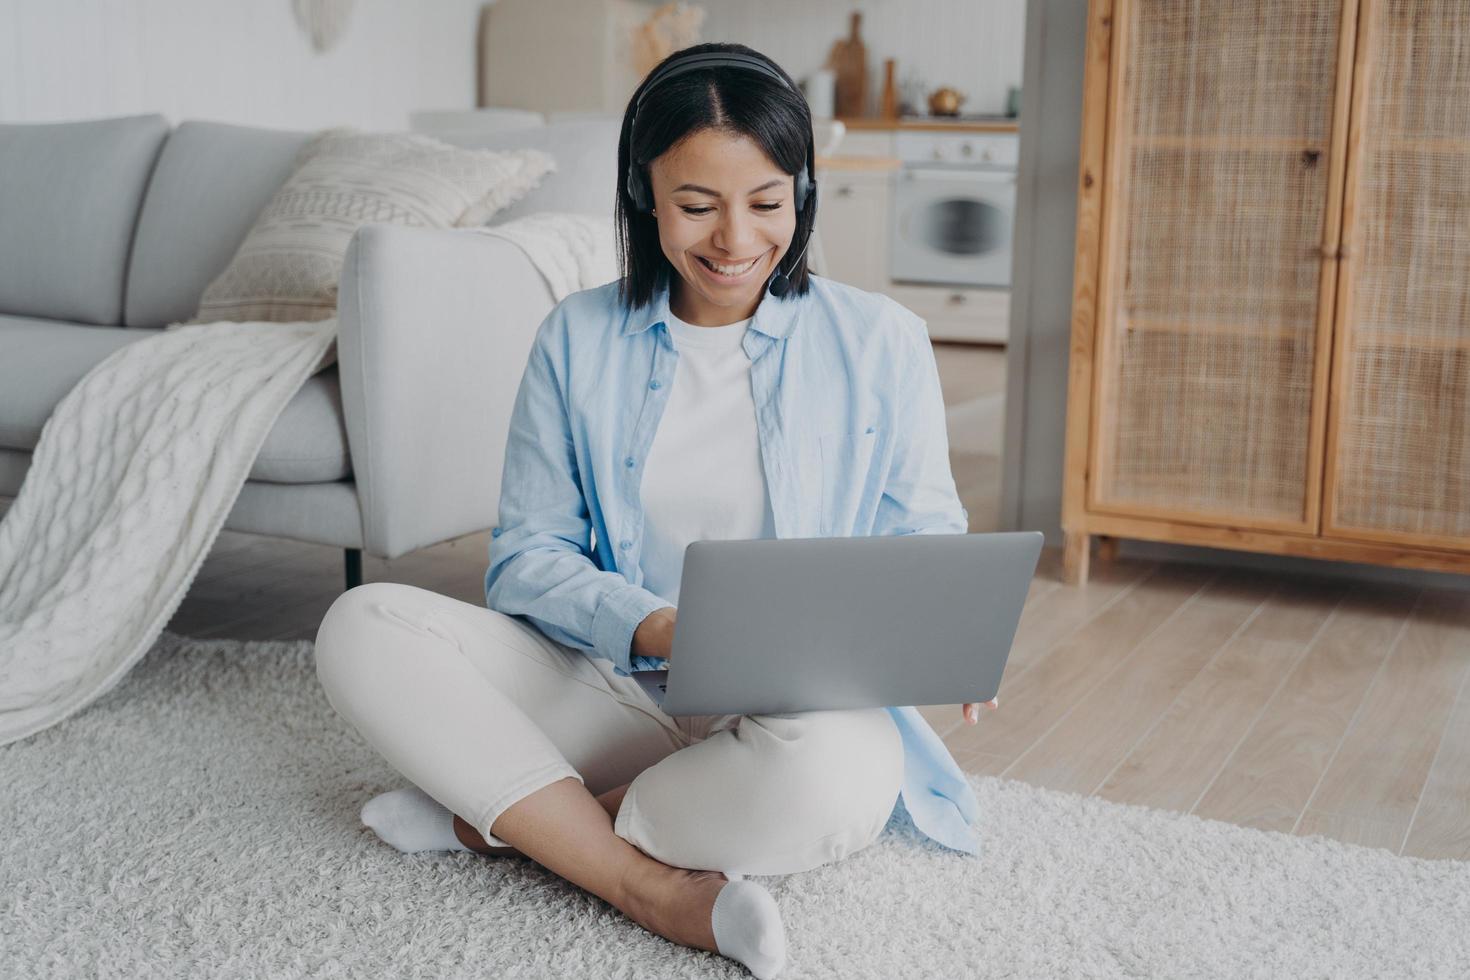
(772, 626)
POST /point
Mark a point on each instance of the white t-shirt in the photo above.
(704, 478)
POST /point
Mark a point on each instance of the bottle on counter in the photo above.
(889, 108)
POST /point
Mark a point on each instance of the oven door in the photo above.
(953, 225)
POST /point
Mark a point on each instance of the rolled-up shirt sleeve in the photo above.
(541, 563)
(919, 495)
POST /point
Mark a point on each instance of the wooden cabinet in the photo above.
(1271, 311)
(1398, 460)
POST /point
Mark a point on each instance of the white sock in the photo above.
(747, 926)
(412, 820)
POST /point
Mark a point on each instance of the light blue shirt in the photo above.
(852, 435)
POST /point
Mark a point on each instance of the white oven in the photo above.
(954, 208)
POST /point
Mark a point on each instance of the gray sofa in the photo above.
(111, 229)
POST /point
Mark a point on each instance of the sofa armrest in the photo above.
(436, 326)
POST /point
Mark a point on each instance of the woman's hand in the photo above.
(654, 637)
(972, 710)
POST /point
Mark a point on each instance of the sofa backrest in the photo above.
(211, 182)
(69, 202)
(586, 154)
(120, 221)
(432, 122)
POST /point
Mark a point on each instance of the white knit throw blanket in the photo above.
(139, 465)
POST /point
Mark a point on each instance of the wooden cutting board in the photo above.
(848, 60)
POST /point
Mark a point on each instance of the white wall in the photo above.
(239, 61)
(972, 45)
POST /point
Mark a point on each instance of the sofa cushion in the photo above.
(288, 267)
(211, 182)
(44, 360)
(69, 202)
(586, 155)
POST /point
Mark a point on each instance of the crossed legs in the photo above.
(540, 747)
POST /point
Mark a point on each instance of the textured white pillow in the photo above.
(287, 267)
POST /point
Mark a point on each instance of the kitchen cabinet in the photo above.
(968, 314)
(1271, 317)
(866, 143)
(852, 218)
(855, 225)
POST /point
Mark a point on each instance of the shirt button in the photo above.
(870, 428)
(495, 532)
(628, 462)
(654, 385)
(625, 544)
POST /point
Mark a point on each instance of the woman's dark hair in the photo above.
(724, 98)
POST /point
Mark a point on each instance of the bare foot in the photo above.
(675, 903)
(475, 841)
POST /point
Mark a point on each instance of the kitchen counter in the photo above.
(858, 163)
(996, 124)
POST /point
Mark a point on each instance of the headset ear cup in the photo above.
(636, 191)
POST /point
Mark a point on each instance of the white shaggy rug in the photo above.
(200, 819)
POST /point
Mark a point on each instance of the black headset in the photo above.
(640, 188)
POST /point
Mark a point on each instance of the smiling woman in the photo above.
(721, 238)
(724, 240)
(717, 158)
(715, 391)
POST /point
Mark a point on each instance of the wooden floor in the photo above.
(1303, 706)
(1270, 701)
(968, 372)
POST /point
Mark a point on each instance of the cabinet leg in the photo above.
(353, 567)
(1107, 548)
(1076, 546)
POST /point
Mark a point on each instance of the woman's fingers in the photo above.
(971, 710)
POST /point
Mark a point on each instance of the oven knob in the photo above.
(938, 154)
(966, 149)
(987, 156)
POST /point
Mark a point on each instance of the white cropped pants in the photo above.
(480, 709)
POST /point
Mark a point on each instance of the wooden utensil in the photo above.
(848, 59)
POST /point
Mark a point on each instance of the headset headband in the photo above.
(707, 59)
(638, 187)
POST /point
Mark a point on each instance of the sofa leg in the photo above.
(354, 567)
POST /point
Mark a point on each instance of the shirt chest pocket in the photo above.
(851, 481)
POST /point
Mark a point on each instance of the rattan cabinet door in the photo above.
(1226, 133)
(1399, 463)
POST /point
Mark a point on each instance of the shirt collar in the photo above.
(775, 318)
